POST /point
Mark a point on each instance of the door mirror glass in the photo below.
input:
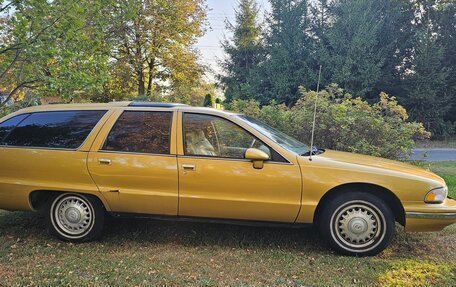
(257, 157)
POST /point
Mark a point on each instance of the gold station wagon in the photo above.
(80, 163)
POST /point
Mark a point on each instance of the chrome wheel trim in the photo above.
(358, 226)
(72, 216)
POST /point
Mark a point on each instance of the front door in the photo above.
(215, 180)
(134, 165)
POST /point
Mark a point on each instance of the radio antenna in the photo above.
(314, 116)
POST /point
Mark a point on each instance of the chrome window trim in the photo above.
(136, 153)
(230, 159)
(40, 148)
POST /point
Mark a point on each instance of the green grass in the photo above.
(447, 170)
(450, 143)
(136, 252)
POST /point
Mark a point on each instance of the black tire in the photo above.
(357, 224)
(75, 217)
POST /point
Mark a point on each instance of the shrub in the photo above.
(343, 122)
(208, 101)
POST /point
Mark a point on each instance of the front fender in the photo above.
(322, 175)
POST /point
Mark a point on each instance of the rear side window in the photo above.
(141, 132)
(62, 129)
(7, 126)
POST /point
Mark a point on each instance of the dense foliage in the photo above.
(343, 122)
(53, 48)
(101, 50)
(104, 50)
(403, 48)
(244, 51)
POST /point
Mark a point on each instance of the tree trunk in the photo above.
(151, 78)
(141, 83)
(149, 85)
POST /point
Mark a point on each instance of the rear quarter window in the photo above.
(7, 126)
(56, 129)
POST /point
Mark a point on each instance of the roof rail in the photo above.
(155, 104)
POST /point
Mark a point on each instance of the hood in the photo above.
(377, 162)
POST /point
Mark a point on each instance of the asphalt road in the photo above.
(434, 154)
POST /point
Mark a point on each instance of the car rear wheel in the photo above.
(76, 217)
(357, 223)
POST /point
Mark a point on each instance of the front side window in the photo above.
(59, 129)
(7, 126)
(206, 135)
(278, 137)
(141, 132)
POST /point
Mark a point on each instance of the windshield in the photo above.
(278, 137)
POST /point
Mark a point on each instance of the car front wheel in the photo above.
(357, 223)
(76, 217)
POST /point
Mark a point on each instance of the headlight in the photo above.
(437, 195)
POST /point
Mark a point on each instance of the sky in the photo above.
(210, 44)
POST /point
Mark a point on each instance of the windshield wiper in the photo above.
(315, 151)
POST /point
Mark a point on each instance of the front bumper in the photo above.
(428, 217)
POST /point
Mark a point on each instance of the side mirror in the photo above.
(257, 157)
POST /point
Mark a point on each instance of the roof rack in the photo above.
(155, 104)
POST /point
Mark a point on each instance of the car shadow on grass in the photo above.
(214, 234)
(138, 231)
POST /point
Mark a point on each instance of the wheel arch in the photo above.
(383, 193)
(39, 198)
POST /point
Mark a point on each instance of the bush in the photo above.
(208, 101)
(343, 122)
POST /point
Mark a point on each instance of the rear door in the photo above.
(133, 162)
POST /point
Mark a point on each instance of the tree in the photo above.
(99, 49)
(288, 52)
(396, 39)
(154, 38)
(425, 85)
(356, 53)
(53, 47)
(243, 52)
(425, 76)
(363, 45)
(445, 19)
(321, 21)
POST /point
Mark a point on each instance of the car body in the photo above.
(176, 161)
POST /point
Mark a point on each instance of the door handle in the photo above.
(189, 166)
(104, 161)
